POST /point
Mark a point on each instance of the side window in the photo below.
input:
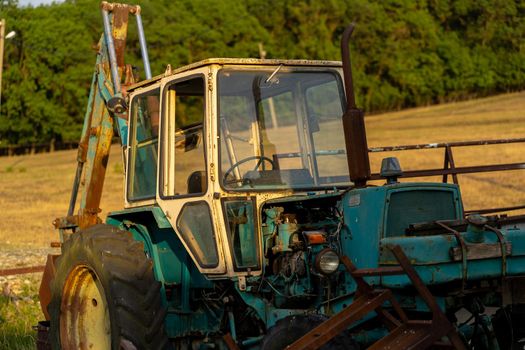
(185, 170)
(144, 121)
(195, 226)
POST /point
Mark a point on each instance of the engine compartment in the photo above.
(301, 245)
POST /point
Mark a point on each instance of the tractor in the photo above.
(250, 220)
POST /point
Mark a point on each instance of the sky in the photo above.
(36, 2)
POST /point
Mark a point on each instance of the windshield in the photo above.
(281, 129)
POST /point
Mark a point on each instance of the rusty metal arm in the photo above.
(106, 106)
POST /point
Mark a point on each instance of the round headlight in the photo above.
(327, 261)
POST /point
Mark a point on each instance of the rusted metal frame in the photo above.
(503, 248)
(362, 286)
(101, 131)
(115, 31)
(100, 136)
(463, 246)
(353, 122)
(379, 271)
(44, 292)
(135, 10)
(410, 336)
(494, 210)
(445, 144)
(449, 164)
(418, 335)
(365, 288)
(445, 166)
(388, 319)
(81, 157)
(423, 291)
(372, 300)
(21, 270)
(115, 38)
(458, 170)
(452, 164)
(509, 220)
(323, 333)
(439, 320)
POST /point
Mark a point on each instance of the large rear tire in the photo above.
(104, 294)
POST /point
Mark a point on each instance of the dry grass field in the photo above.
(34, 190)
(498, 117)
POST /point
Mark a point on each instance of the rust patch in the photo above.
(44, 293)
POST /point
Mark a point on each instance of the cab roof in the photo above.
(234, 61)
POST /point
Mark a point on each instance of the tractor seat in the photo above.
(197, 182)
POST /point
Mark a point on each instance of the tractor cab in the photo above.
(216, 139)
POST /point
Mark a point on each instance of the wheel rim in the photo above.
(84, 313)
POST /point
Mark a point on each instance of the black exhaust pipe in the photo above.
(353, 121)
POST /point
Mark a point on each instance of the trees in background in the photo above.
(405, 52)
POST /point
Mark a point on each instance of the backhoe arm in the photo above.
(106, 106)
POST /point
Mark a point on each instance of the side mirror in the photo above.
(187, 141)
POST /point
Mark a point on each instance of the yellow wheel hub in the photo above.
(84, 314)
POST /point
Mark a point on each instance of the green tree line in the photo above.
(405, 52)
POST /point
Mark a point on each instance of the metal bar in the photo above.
(439, 320)
(503, 249)
(459, 170)
(464, 257)
(111, 51)
(142, 41)
(322, 334)
(74, 192)
(450, 156)
(362, 286)
(494, 210)
(21, 270)
(380, 271)
(423, 291)
(388, 319)
(445, 166)
(444, 144)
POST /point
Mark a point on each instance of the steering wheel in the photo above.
(242, 161)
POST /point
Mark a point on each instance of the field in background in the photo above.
(35, 189)
(498, 117)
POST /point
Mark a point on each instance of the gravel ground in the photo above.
(13, 285)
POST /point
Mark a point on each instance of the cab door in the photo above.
(142, 150)
(184, 193)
